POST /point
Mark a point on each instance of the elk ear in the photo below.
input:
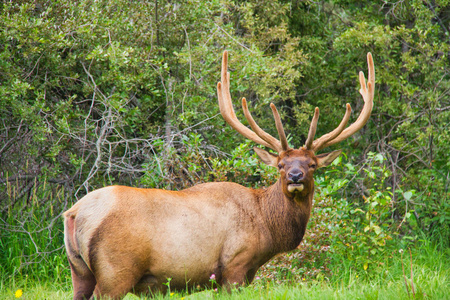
(325, 159)
(267, 157)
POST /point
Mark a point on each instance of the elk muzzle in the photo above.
(295, 183)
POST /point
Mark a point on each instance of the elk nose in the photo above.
(295, 175)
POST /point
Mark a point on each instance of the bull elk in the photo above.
(122, 239)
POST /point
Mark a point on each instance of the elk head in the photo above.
(296, 166)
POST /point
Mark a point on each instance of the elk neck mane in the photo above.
(286, 217)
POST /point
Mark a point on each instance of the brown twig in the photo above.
(404, 275)
(412, 276)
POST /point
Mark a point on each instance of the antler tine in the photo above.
(227, 111)
(230, 117)
(367, 92)
(319, 143)
(261, 133)
(312, 129)
(280, 129)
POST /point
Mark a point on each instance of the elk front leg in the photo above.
(233, 279)
(239, 272)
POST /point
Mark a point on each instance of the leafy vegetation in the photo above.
(95, 93)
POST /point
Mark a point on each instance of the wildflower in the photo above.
(257, 278)
(18, 293)
(171, 294)
(213, 277)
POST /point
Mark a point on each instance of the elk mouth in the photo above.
(295, 187)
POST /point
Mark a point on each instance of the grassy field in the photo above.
(430, 277)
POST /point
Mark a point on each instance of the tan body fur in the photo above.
(132, 239)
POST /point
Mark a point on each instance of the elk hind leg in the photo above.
(83, 279)
(116, 278)
(114, 288)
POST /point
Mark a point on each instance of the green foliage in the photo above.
(193, 166)
(362, 229)
(32, 246)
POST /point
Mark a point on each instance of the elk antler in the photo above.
(226, 109)
(339, 134)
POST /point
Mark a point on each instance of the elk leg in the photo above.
(112, 292)
(237, 275)
(148, 283)
(112, 286)
(83, 281)
(239, 278)
(234, 279)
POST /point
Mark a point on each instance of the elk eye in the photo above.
(280, 166)
(313, 166)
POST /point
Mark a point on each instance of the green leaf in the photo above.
(407, 195)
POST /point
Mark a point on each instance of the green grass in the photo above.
(429, 287)
(431, 277)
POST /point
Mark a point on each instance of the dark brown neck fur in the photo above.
(286, 217)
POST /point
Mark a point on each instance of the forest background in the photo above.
(95, 93)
